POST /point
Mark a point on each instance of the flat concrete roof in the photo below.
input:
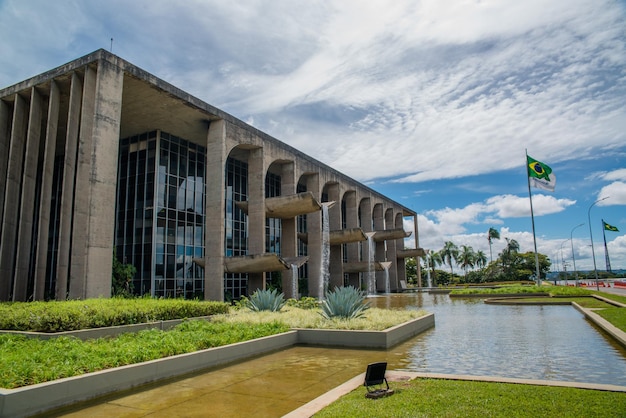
(170, 109)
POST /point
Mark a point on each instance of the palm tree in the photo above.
(466, 257)
(449, 253)
(435, 260)
(481, 259)
(492, 234)
(512, 247)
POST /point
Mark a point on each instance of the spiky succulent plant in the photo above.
(344, 302)
(266, 300)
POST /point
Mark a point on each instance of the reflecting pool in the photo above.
(533, 342)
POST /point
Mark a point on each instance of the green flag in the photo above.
(540, 175)
(608, 227)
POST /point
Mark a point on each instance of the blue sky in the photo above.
(430, 102)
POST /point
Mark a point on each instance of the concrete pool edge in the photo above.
(42, 397)
(333, 395)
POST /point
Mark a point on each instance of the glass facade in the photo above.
(236, 244)
(160, 213)
(273, 226)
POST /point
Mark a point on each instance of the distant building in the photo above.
(98, 155)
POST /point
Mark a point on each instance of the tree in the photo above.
(492, 234)
(480, 259)
(411, 270)
(435, 260)
(449, 253)
(466, 257)
(526, 265)
(508, 253)
(122, 280)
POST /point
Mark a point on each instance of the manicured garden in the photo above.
(30, 360)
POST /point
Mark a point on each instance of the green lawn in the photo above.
(451, 398)
(26, 361)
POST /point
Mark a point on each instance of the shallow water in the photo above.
(534, 342)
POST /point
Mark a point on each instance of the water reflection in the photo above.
(535, 342)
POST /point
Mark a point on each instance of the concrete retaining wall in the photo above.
(366, 339)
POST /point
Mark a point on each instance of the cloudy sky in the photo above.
(433, 103)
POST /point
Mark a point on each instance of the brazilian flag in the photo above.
(608, 227)
(540, 175)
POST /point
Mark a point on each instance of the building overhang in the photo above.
(411, 252)
(389, 234)
(287, 207)
(365, 266)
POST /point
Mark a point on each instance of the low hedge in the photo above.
(97, 313)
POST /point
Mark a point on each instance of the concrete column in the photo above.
(352, 221)
(336, 251)
(379, 225)
(365, 212)
(22, 275)
(256, 213)
(105, 133)
(80, 230)
(288, 239)
(67, 192)
(5, 133)
(10, 214)
(417, 245)
(46, 191)
(392, 253)
(215, 209)
(401, 262)
(314, 245)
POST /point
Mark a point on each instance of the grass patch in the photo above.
(374, 319)
(616, 316)
(26, 361)
(450, 398)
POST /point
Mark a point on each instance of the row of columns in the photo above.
(220, 140)
(29, 131)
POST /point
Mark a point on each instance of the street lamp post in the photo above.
(593, 253)
(574, 258)
(563, 263)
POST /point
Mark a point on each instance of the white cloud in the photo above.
(615, 194)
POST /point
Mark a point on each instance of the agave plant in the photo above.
(266, 300)
(345, 303)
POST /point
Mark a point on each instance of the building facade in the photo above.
(98, 157)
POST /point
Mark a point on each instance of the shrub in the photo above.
(266, 300)
(344, 302)
(306, 302)
(94, 313)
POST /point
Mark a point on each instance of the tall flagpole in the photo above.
(606, 249)
(532, 217)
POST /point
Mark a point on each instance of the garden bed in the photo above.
(42, 397)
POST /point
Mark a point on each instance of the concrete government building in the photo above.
(98, 156)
